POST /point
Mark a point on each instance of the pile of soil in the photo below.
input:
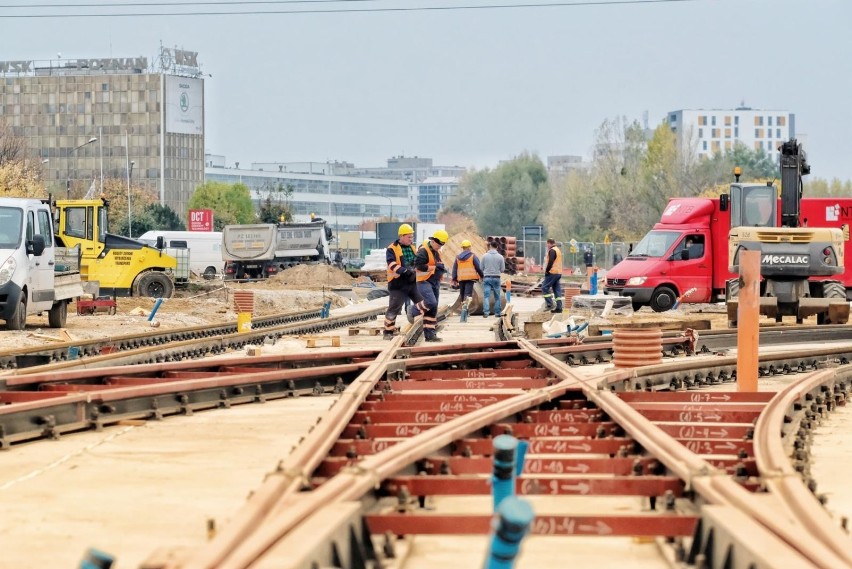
(311, 277)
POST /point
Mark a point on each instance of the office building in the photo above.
(89, 119)
(345, 201)
(430, 196)
(706, 132)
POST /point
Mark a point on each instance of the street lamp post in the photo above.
(101, 152)
(68, 166)
(390, 203)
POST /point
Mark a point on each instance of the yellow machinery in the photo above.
(122, 266)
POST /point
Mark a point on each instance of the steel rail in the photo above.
(49, 404)
(348, 485)
(158, 347)
(293, 471)
(59, 351)
(813, 396)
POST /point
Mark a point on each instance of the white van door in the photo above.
(41, 266)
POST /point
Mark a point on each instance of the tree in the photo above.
(13, 148)
(517, 194)
(231, 203)
(275, 206)
(473, 187)
(21, 179)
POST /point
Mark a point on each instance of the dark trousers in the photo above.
(465, 290)
(398, 296)
(430, 291)
(550, 288)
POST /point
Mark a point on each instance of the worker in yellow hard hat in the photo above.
(466, 271)
(430, 270)
(402, 284)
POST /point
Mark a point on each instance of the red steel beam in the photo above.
(650, 525)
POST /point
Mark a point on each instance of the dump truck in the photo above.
(256, 251)
(36, 275)
(122, 266)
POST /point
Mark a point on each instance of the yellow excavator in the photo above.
(121, 265)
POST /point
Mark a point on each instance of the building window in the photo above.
(769, 121)
(757, 133)
(728, 120)
(736, 132)
(700, 133)
(673, 118)
(727, 133)
(713, 120)
(777, 133)
(737, 120)
(704, 145)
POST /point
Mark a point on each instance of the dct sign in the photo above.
(201, 220)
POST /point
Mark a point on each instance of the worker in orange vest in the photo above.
(466, 271)
(402, 285)
(551, 288)
(430, 270)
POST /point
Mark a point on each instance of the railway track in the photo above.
(413, 432)
(175, 344)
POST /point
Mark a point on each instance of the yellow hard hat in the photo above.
(441, 236)
(405, 229)
(465, 243)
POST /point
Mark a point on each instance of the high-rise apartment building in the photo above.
(718, 130)
(112, 117)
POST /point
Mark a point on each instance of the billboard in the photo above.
(200, 220)
(184, 105)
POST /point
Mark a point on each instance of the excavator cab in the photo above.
(790, 253)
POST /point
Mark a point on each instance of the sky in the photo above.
(469, 87)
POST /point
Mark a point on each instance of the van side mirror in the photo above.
(724, 202)
(684, 255)
(161, 242)
(35, 246)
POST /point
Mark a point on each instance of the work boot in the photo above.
(433, 337)
(558, 309)
(387, 336)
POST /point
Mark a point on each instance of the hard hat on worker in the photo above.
(405, 229)
(441, 236)
(465, 244)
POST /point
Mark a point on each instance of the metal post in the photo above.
(127, 169)
(512, 523)
(101, 152)
(748, 316)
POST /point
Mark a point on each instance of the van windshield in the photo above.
(11, 219)
(655, 244)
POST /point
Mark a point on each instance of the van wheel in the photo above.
(155, 285)
(18, 320)
(58, 314)
(209, 273)
(663, 299)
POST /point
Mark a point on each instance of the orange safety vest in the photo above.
(424, 275)
(556, 269)
(465, 270)
(392, 267)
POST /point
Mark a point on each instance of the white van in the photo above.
(205, 248)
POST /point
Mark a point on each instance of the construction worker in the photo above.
(402, 284)
(466, 271)
(551, 288)
(430, 271)
(493, 265)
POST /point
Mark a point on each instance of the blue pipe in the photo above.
(514, 518)
(593, 284)
(155, 309)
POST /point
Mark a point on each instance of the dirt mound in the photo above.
(312, 277)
